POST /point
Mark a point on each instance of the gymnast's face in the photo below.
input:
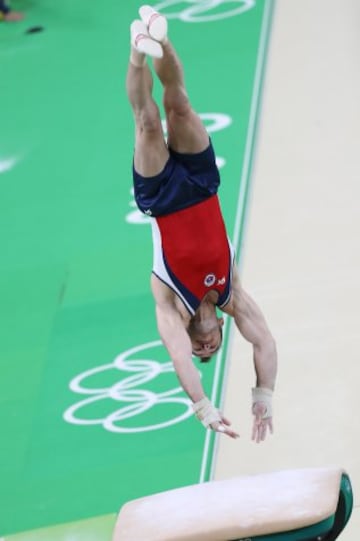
(206, 343)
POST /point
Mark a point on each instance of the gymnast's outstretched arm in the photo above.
(251, 323)
(177, 342)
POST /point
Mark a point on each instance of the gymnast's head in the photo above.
(206, 337)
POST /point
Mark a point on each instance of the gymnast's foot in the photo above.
(156, 23)
(142, 42)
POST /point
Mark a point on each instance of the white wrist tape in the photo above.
(205, 412)
(261, 394)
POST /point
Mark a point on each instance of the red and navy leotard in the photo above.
(192, 253)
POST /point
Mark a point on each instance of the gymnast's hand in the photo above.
(262, 423)
(212, 418)
(223, 427)
(262, 411)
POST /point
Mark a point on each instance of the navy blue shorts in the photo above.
(186, 179)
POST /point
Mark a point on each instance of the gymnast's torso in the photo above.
(192, 253)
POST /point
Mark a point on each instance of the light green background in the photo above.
(74, 275)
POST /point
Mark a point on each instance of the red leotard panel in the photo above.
(195, 252)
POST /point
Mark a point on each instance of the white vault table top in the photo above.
(233, 508)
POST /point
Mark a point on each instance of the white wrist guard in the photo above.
(261, 394)
(205, 412)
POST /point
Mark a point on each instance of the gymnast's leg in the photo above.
(151, 153)
(186, 133)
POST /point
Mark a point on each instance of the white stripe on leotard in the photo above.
(159, 268)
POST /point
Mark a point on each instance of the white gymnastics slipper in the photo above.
(155, 23)
(142, 42)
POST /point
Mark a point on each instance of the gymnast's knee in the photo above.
(176, 101)
(147, 119)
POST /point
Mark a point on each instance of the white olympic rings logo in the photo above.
(126, 390)
(196, 12)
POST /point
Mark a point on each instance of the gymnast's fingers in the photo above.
(223, 429)
(225, 420)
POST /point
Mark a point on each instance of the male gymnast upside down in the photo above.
(194, 272)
